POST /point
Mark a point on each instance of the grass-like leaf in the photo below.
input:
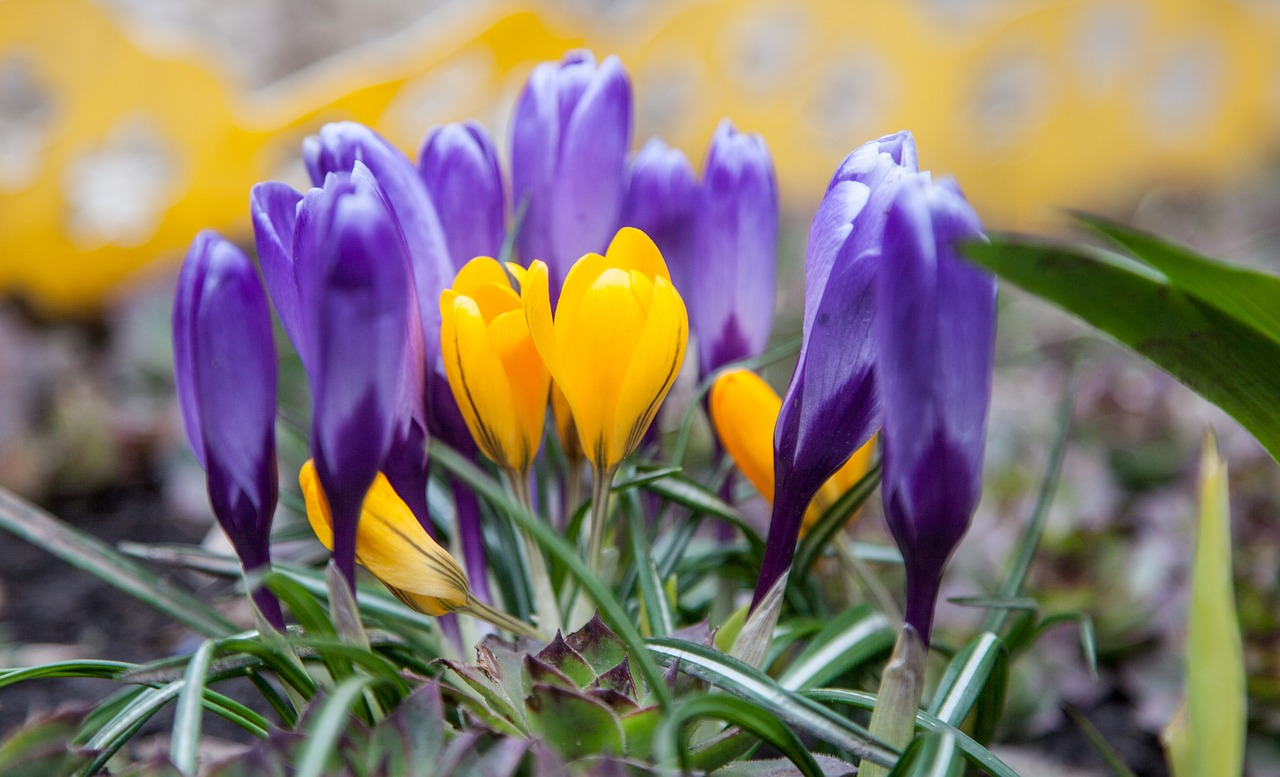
(1227, 361)
(735, 712)
(973, 751)
(326, 727)
(83, 551)
(966, 677)
(747, 682)
(931, 755)
(854, 637)
(184, 744)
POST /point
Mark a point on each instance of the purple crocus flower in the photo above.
(353, 276)
(732, 282)
(459, 165)
(225, 371)
(935, 326)
(661, 194)
(570, 135)
(831, 407)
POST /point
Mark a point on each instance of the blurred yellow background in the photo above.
(117, 144)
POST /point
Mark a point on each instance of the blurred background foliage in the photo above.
(127, 125)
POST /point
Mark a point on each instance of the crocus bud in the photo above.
(352, 278)
(275, 207)
(736, 245)
(831, 407)
(615, 344)
(393, 546)
(496, 375)
(459, 165)
(570, 135)
(661, 192)
(225, 371)
(744, 410)
(935, 324)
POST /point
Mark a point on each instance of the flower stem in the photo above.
(894, 719)
(544, 596)
(478, 609)
(600, 488)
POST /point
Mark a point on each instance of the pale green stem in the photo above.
(544, 597)
(600, 488)
(894, 719)
(572, 489)
(478, 609)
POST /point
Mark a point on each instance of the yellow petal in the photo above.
(535, 296)
(653, 365)
(479, 384)
(480, 271)
(632, 249)
(527, 379)
(744, 410)
(392, 545)
(597, 341)
(517, 272)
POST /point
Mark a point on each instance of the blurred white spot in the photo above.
(1011, 98)
(1105, 44)
(667, 94)
(762, 50)
(118, 191)
(26, 111)
(1184, 94)
(450, 92)
(851, 99)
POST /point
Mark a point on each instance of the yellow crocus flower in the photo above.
(615, 343)
(392, 545)
(494, 370)
(744, 410)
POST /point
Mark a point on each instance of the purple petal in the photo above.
(590, 178)
(459, 165)
(661, 191)
(936, 325)
(731, 292)
(337, 149)
(185, 306)
(535, 143)
(275, 212)
(354, 295)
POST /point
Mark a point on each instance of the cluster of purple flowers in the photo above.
(897, 328)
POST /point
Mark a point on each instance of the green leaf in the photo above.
(85, 552)
(573, 724)
(1216, 704)
(1247, 295)
(332, 717)
(98, 669)
(43, 748)
(966, 677)
(697, 499)
(656, 607)
(610, 609)
(931, 755)
(850, 640)
(644, 477)
(1230, 363)
(184, 745)
(974, 752)
(1100, 744)
(120, 728)
(731, 675)
(734, 712)
(832, 520)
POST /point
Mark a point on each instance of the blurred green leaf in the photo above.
(1209, 738)
(43, 747)
(1247, 295)
(184, 742)
(99, 559)
(1228, 362)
